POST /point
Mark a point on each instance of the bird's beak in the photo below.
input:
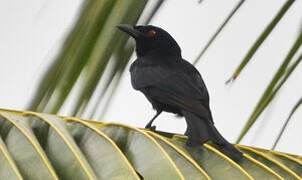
(129, 30)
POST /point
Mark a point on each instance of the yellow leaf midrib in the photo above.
(100, 133)
(154, 142)
(35, 145)
(90, 176)
(271, 160)
(193, 162)
(9, 159)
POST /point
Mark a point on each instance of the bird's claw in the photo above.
(152, 128)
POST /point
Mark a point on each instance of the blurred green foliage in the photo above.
(93, 46)
(95, 54)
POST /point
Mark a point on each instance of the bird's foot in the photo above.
(152, 128)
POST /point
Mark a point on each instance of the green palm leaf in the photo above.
(9, 169)
(35, 146)
(261, 39)
(86, 53)
(273, 86)
(287, 121)
(212, 39)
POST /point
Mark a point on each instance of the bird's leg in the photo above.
(149, 125)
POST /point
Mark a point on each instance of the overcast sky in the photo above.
(33, 31)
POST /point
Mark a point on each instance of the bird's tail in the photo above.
(200, 131)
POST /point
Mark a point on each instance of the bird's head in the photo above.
(151, 39)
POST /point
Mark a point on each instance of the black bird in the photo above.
(172, 84)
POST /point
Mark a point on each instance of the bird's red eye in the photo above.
(151, 33)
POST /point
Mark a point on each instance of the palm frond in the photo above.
(286, 122)
(267, 95)
(36, 145)
(92, 43)
(212, 39)
(104, 47)
(261, 39)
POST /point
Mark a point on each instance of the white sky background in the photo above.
(32, 31)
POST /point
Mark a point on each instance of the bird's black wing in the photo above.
(175, 84)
